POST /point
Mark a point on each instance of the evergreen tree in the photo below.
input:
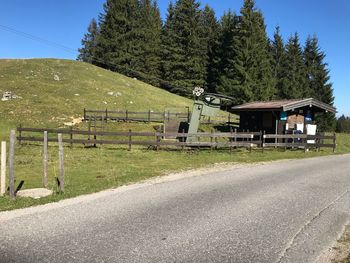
(170, 50)
(294, 81)
(222, 75)
(192, 48)
(146, 30)
(210, 33)
(183, 51)
(114, 44)
(278, 54)
(87, 52)
(318, 80)
(248, 76)
(264, 82)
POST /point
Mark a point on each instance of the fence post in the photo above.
(305, 145)
(45, 160)
(129, 140)
(106, 120)
(276, 132)
(260, 138)
(157, 139)
(11, 164)
(334, 141)
(183, 140)
(285, 140)
(84, 114)
(95, 137)
(149, 116)
(61, 162)
(231, 131)
(3, 169)
(263, 141)
(235, 139)
(71, 136)
(229, 118)
(89, 129)
(126, 115)
(20, 134)
(250, 146)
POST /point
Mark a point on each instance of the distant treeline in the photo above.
(231, 55)
(343, 124)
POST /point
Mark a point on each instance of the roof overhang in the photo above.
(285, 105)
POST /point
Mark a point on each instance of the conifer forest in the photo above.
(231, 55)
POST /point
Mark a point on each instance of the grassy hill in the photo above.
(53, 91)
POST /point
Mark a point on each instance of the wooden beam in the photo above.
(61, 162)
(12, 164)
(45, 161)
(3, 169)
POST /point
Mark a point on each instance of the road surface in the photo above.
(286, 211)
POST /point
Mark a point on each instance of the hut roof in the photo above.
(284, 105)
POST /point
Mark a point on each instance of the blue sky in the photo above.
(65, 21)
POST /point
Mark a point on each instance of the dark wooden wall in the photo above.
(259, 121)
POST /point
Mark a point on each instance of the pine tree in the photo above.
(264, 82)
(152, 55)
(182, 47)
(318, 80)
(145, 41)
(89, 42)
(114, 44)
(171, 51)
(210, 33)
(294, 71)
(278, 54)
(248, 76)
(223, 77)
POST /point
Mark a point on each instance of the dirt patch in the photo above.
(339, 252)
(74, 121)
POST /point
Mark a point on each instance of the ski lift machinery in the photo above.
(204, 105)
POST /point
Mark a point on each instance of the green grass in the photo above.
(46, 102)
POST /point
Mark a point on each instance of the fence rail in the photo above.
(299, 141)
(149, 116)
(203, 139)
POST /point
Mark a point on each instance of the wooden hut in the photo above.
(280, 116)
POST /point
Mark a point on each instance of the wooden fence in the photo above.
(150, 116)
(211, 139)
(156, 139)
(299, 141)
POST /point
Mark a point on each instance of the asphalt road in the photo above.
(285, 211)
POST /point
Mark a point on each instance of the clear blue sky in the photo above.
(65, 22)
